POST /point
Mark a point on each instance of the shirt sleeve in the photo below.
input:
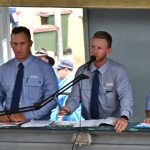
(147, 105)
(1, 92)
(1, 99)
(73, 100)
(124, 91)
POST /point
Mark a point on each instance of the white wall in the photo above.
(5, 53)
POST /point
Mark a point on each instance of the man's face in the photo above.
(62, 73)
(99, 48)
(21, 46)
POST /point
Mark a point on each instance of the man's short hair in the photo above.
(21, 29)
(104, 35)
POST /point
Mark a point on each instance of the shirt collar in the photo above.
(102, 69)
(26, 62)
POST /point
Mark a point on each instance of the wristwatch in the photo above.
(125, 117)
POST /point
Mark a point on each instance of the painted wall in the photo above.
(4, 35)
(130, 30)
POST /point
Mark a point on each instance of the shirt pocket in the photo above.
(109, 103)
(110, 99)
(86, 91)
(34, 87)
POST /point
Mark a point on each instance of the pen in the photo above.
(19, 125)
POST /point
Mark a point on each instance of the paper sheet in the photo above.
(9, 124)
(37, 123)
(96, 122)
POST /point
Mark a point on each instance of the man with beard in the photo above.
(107, 92)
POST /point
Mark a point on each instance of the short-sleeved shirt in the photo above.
(115, 91)
(39, 82)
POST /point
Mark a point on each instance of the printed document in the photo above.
(96, 122)
(37, 123)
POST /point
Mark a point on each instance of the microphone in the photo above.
(92, 58)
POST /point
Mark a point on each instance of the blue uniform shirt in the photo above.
(115, 91)
(39, 82)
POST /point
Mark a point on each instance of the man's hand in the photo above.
(120, 125)
(4, 118)
(64, 110)
(147, 120)
(18, 117)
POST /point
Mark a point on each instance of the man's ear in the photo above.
(31, 42)
(109, 51)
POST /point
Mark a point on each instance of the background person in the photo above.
(13, 16)
(39, 79)
(115, 98)
(43, 54)
(65, 73)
